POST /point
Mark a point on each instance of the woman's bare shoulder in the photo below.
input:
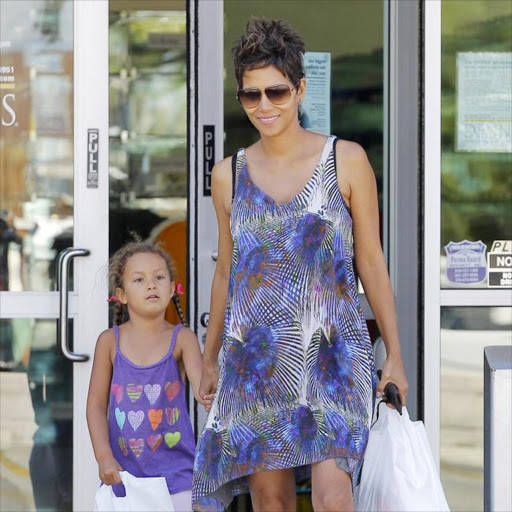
(348, 150)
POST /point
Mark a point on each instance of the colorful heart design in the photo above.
(120, 418)
(135, 419)
(136, 446)
(172, 389)
(155, 417)
(122, 444)
(172, 438)
(154, 441)
(134, 391)
(117, 391)
(152, 392)
(172, 414)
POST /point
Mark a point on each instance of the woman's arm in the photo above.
(97, 404)
(221, 195)
(355, 170)
(189, 352)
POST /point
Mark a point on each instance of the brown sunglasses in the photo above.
(277, 94)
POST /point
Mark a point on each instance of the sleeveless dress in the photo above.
(297, 379)
(149, 426)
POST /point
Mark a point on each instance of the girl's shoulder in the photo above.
(107, 337)
(106, 344)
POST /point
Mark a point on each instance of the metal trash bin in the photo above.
(497, 428)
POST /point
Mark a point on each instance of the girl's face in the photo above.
(267, 117)
(147, 286)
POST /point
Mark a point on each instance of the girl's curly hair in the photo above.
(116, 268)
(269, 43)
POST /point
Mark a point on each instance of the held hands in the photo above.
(393, 371)
(208, 385)
(109, 470)
(207, 401)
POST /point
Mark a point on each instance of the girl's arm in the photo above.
(353, 167)
(97, 405)
(190, 353)
(221, 195)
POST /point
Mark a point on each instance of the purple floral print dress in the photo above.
(297, 378)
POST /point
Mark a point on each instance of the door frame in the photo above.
(91, 215)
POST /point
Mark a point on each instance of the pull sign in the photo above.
(208, 158)
(93, 144)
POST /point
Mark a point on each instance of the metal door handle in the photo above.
(65, 258)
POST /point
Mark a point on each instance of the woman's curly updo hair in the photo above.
(116, 268)
(269, 43)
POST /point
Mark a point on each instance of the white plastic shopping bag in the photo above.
(142, 495)
(399, 473)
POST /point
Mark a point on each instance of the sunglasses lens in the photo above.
(249, 98)
(279, 94)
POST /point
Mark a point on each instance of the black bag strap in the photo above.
(234, 161)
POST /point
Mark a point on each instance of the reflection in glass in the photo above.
(476, 186)
(464, 334)
(36, 400)
(148, 131)
(36, 141)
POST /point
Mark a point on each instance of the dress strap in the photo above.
(116, 335)
(334, 141)
(177, 329)
(234, 173)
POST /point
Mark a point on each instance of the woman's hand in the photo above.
(109, 470)
(393, 371)
(209, 379)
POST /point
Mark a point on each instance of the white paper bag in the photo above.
(142, 495)
(399, 473)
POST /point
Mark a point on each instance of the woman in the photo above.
(297, 379)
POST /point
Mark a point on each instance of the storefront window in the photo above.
(476, 137)
(148, 128)
(465, 332)
(36, 141)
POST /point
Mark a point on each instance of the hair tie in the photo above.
(113, 298)
(179, 289)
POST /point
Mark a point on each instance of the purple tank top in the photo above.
(149, 425)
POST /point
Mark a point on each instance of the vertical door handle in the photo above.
(64, 261)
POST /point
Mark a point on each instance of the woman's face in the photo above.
(268, 118)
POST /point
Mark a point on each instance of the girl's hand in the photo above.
(207, 402)
(109, 470)
(209, 379)
(393, 371)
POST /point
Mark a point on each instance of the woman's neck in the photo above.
(284, 143)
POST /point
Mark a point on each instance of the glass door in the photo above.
(54, 196)
(468, 226)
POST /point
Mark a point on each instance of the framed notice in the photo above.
(484, 102)
(316, 107)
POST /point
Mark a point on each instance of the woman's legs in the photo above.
(332, 488)
(273, 491)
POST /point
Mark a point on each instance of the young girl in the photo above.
(137, 408)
